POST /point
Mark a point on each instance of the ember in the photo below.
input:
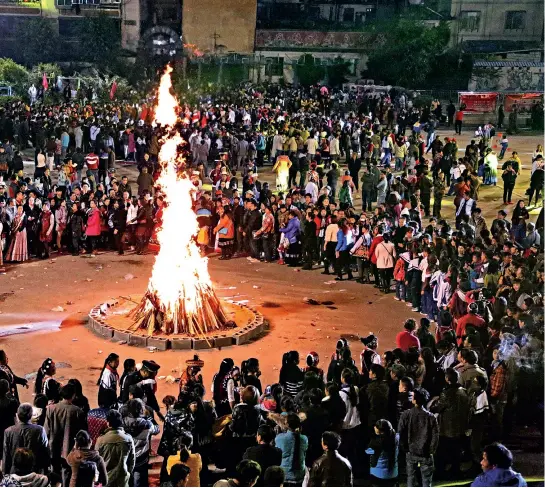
(180, 298)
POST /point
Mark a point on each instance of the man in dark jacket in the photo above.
(419, 436)
(252, 223)
(376, 396)
(426, 185)
(28, 435)
(367, 187)
(62, 422)
(331, 469)
(354, 167)
(265, 454)
(453, 410)
(145, 378)
(140, 429)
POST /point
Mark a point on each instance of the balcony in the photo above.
(76, 7)
(320, 17)
(20, 7)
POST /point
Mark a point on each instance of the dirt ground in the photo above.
(30, 331)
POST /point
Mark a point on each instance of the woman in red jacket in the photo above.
(92, 229)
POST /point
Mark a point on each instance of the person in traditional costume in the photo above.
(7, 374)
(47, 224)
(226, 232)
(46, 384)
(191, 376)
(109, 377)
(225, 387)
(18, 248)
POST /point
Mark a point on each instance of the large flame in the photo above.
(180, 283)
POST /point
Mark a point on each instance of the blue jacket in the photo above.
(286, 442)
(499, 477)
(344, 241)
(381, 470)
(292, 230)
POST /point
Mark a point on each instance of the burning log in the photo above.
(154, 317)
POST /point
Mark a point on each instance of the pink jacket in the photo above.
(385, 253)
(93, 223)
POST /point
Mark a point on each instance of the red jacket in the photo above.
(405, 340)
(93, 223)
(468, 319)
(374, 243)
(92, 161)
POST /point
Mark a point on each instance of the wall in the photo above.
(492, 20)
(233, 21)
(130, 25)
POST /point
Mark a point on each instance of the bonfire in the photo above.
(180, 298)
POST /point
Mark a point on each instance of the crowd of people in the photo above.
(461, 378)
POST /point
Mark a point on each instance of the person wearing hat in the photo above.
(313, 359)
(145, 379)
(191, 376)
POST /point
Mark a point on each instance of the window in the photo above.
(470, 20)
(274, 67)
(515, 19)
(348, 15)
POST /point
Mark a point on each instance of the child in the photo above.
(399, 276)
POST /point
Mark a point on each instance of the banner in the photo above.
(478, 102)
(524, 101)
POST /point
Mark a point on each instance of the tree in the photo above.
(101, 42)
(307, 72)
(13, 74)
(38, 41)
(404, 52)
(338, 71)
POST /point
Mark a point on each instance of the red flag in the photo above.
(113, 90)
(45, 83)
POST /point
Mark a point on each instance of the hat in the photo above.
(341, 343)
(195, 362)
(224, 171)
(249, 192)
(313, 359)
(150, 365)
(370, 341)
(268, 404)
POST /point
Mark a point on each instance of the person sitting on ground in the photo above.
(497, 468)
(248, 473)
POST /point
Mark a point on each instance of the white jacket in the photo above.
(352, 417)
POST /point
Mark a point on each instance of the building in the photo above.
(65, 16)
(483, 26)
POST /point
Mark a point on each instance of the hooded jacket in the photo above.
(499, 477)
(77, 456)
(141, 430)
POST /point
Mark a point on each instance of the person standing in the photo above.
(62, 421)
(453, 410)
(294, 447)
(419, 436)
(331, 469)
(117, 449)
(82, 454)
(451, 111)
(140, 429)
(12, 379)
(25, 434)
(509, 177)
(354, 167)
(459, 118)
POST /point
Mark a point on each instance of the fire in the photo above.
(180, 297)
